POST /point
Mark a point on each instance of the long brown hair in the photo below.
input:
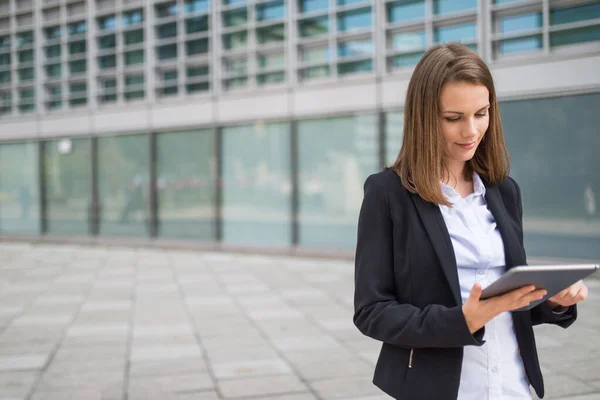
(420, 163)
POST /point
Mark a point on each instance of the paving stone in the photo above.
(263, 386)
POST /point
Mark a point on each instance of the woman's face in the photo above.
(464, 119)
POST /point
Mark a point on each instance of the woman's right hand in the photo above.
(478, 312)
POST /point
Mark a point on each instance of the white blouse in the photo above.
(495, 370)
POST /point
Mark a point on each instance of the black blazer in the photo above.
(407, 293)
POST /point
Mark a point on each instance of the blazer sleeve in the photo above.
(542, 314)
(377, 312)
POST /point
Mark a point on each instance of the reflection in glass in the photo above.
(235, 17)
(236, 40)
(454, 33)
(315, 72)
(450, 6)
(19, 187)
(314, 26)
(270, 34)
(518, 23)
(401, 11)
(256, 185)
(573, 36)
(354, 20)
(522, 44)
(335, 157)
(355, 48)
(185, 171)
(406, 41)
(355, 67)
(315, 53)
(313, 5)
(196, 24)
(123, 167)
(270, 10)
(559, 175)
(575, 14)
(68, 185)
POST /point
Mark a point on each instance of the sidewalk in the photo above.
(95, 323)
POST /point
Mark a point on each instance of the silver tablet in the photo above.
(553, 278)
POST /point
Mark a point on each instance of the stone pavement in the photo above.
(109, 323)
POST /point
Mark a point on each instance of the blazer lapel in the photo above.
(509, 237)
(432, 219)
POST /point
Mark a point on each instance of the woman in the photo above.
(444, 221)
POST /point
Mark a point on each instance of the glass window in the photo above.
(67, 178)
(270, 34)
(355, 19)
(77, 47)
(257, 184)
(196, 24)
(167, 30)
(235, 17)
(26, 56)
(238, 66)
(231, 2)
(575, 14)
(26, 74)
(315, 72)
(5, 77)
(236, 40)
(108, 22)
(77, 28)
(134, 87)
(133, 37)
(77, 67)
(451, 6)
(166, 10)
(522, 44)
(54, 97)
(197, 87)
(169, 75)
(505, 1)
(313, 5)
(394, 133)
(194, 6)
(349, 2)
(167, 52)
(271, 61)
(53, 51)
(574, 36)
(463, 32)
(196, 71)
(133, 17)
(123, 185)
(406, 41)
(518, 23)
(52, 32)
(314, 54)
(134, 57)
(19, 185)
(54, 71)
(24, 39)
(314, 26)
(109, 85)
(407, 60)
(270, 10)
(355, 48)
(107, 62)
(77, 94)
(332, 170)
(194, 47)
(354, 67)
(186, 172)
(402, 11)
(5, 102)
(107, 42)
(552, 195)
(4, 42)
(270, 78)
(236, 83)
(5, 59)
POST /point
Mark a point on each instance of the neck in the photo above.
(455, 172)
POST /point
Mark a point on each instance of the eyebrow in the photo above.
(460, 113)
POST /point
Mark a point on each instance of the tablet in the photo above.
(553, 278)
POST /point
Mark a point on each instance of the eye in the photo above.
(481, 115)
(452, 119)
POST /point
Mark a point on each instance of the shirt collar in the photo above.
(454, 197)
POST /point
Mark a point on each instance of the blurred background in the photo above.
(254, 124)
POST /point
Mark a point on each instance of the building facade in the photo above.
(254, 123)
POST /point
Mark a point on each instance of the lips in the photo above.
(467, 146)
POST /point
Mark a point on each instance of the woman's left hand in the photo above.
(571, 295)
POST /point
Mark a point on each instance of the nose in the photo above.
(470, 128)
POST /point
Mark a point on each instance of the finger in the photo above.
(476, 291)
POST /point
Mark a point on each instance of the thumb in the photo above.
(476, 291)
